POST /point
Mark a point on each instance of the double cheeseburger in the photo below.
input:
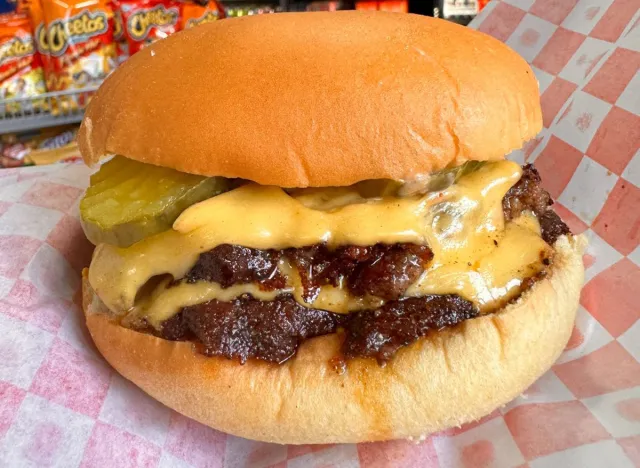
(306, 230)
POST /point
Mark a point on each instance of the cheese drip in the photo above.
(475, 254)
(163, 302)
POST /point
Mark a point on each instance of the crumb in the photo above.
(339, 365)
(417, 440)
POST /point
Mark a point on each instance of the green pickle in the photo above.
(128, 200)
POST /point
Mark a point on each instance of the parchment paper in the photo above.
(62, 405)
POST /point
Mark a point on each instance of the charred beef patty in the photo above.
(528, 195)
(247, 328)
(232, 264)
(381, 270)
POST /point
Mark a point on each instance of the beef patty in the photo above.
(247, 328)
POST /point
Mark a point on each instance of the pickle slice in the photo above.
(128, 200)
(440, 180)
(377, 188)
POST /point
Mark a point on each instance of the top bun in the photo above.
(316, 99)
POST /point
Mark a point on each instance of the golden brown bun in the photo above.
(446, 379)
(316, 99)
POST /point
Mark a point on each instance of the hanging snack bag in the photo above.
(22, 6)
(122, 46)
(194, 14)
(39, 28)
(147, 21)
(80, 40)
(21, 73)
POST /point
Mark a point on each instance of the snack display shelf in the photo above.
(44, 110)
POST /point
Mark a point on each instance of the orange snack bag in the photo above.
(22, 6)
(80, 40)
(21, 73)
(147, 21)
(194, 14)
(119, 35)
(39, 27)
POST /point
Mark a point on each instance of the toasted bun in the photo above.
(446, 379)
(316, 99)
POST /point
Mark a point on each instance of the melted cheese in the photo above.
(474, 254)
(332, 298)
(492, 274)
(165, 301)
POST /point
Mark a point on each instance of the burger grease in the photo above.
(312, 111)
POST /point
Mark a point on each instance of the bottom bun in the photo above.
(445, 379)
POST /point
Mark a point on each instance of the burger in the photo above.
(307, 232)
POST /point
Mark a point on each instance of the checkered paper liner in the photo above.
(62, 405)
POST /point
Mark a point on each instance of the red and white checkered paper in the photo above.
(62, 405)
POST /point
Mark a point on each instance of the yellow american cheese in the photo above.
(475, 254)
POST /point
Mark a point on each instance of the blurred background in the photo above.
(55, 53)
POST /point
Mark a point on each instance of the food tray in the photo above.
(62, 405)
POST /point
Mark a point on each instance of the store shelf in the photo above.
(45, 110)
